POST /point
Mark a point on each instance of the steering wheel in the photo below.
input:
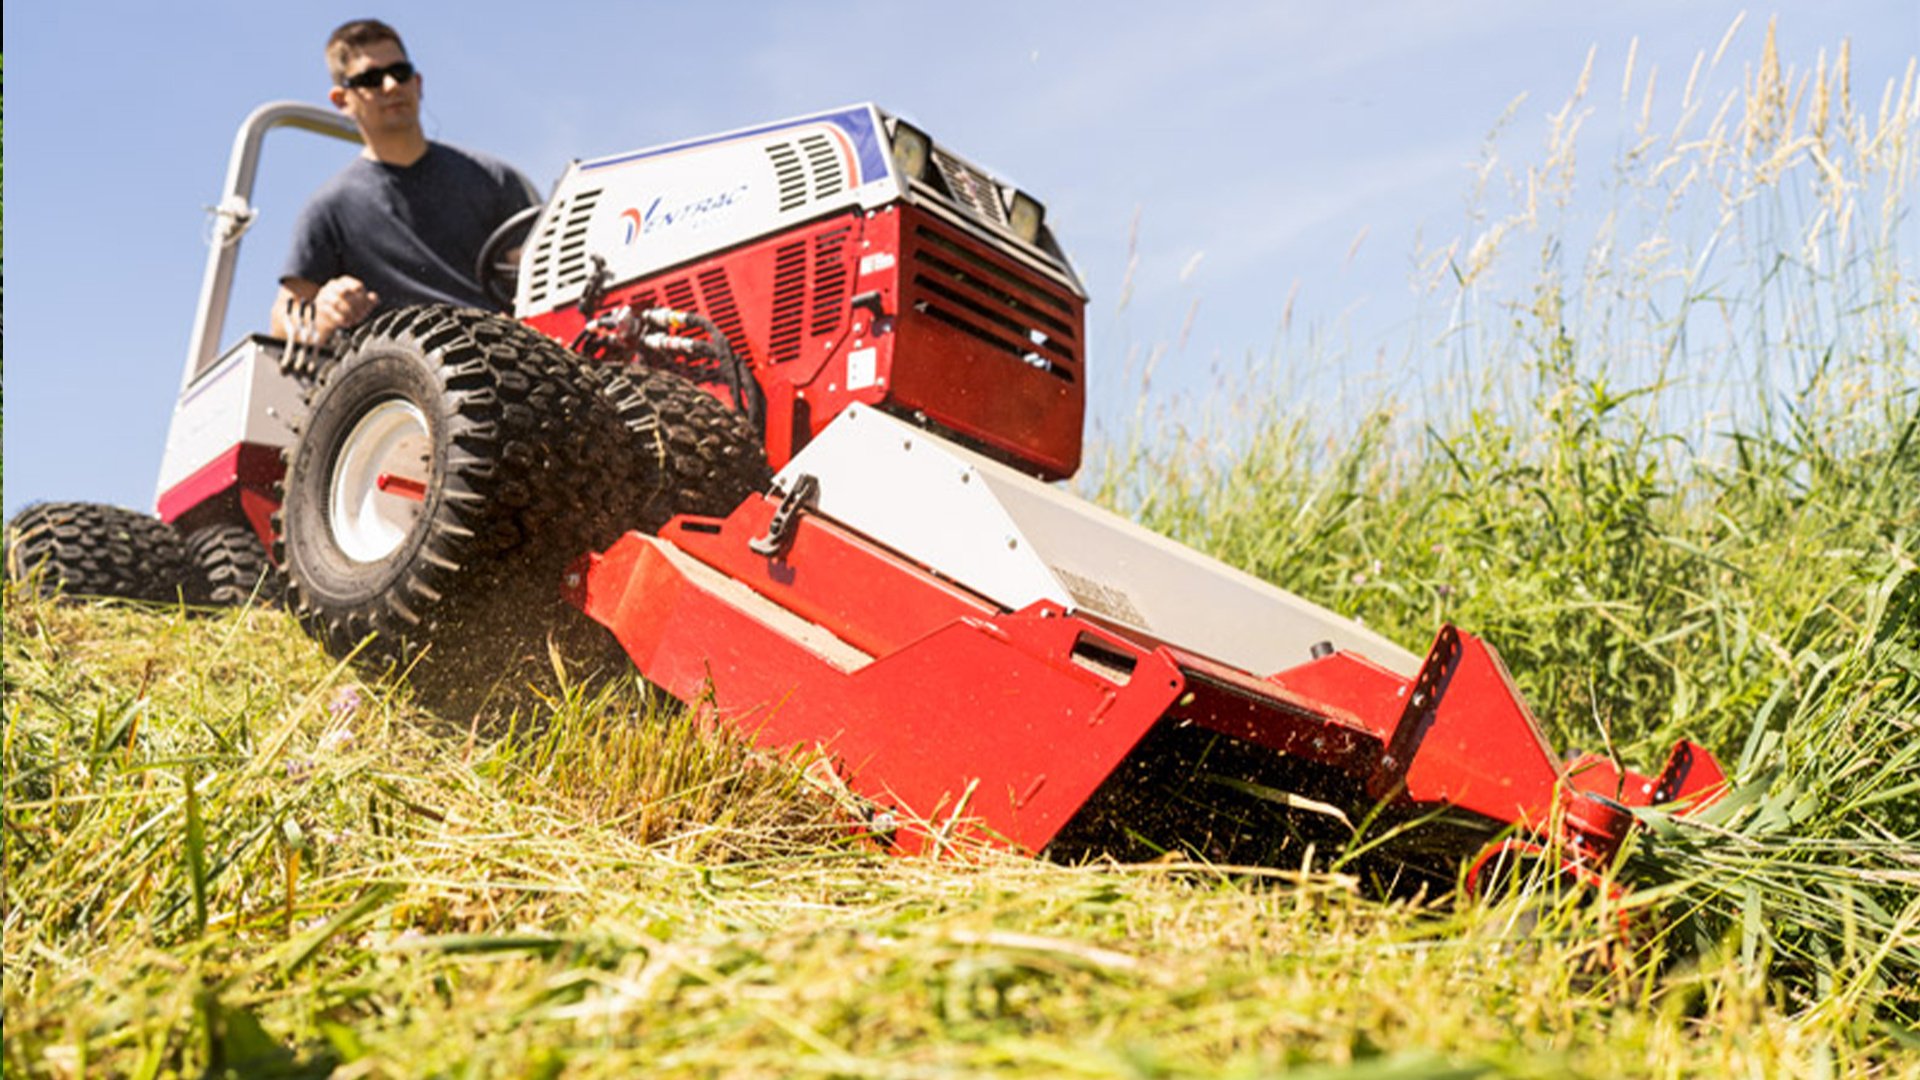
(497, 267)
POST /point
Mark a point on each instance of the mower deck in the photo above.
(999, 706)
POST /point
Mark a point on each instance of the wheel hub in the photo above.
(379, 481)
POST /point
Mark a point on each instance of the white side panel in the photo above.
(925, 497)
(1115, 568)
(1016, 540)
(242, 398)
(653, 209)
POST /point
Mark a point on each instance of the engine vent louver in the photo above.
(807, 170)
(969, 292)
(829, 280)
(716, 295)
(680, 295)
(789, 302)
(709, 293)
(962, 265)
(811, 282)
(789, 173)
(971, 188)
(560, 251)
(828, 172)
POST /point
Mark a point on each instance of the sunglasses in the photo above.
(375, 78)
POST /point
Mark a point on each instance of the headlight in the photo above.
(1024, 217)
(911, 149)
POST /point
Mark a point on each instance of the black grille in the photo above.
(1026, 354)
(994, 305)
(679, 295)
(829, 176)
(829, 280)
(560, 255)
(717, 293)
(971, 188)
(789, 302)
(791, 176)
(991, 325)
(958, 262)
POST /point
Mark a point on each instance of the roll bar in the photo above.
(235, 212)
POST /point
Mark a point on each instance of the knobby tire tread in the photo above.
(233, 568)
(95, 550)
(542, 457)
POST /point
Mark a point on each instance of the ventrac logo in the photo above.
(663, 213)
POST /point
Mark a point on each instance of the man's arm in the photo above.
(314, 312)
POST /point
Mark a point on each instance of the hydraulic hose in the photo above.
(747, 396)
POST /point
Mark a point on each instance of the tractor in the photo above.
(780, 412)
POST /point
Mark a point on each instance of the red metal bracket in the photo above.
(921, 728)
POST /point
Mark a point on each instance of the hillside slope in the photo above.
(226, 853)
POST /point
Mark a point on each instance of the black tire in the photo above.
(91, 549)
(529, 458)
(233, 567)
(697, 454)
(711, 455)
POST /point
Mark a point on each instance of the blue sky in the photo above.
(1236, 155)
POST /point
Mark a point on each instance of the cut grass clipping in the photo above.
(1665, 460)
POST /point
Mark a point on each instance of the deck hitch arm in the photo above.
(805, 492)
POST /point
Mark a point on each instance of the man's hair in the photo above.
(356, 35)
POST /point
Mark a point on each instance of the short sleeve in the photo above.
(315, 254)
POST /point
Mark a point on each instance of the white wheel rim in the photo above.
(369, 519)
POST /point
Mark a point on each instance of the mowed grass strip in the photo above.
(386, 897)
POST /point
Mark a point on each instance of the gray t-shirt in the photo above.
(411, 232)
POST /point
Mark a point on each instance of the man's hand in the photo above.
(311, 313)
(343, 302)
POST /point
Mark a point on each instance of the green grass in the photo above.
(352, 884)
(1677, 486)
(227, 855)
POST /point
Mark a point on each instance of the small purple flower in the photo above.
(346, 701)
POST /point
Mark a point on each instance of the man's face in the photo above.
(391, 107)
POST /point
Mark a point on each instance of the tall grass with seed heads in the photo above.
(1670, 468)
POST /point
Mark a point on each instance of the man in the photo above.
(404, 222)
